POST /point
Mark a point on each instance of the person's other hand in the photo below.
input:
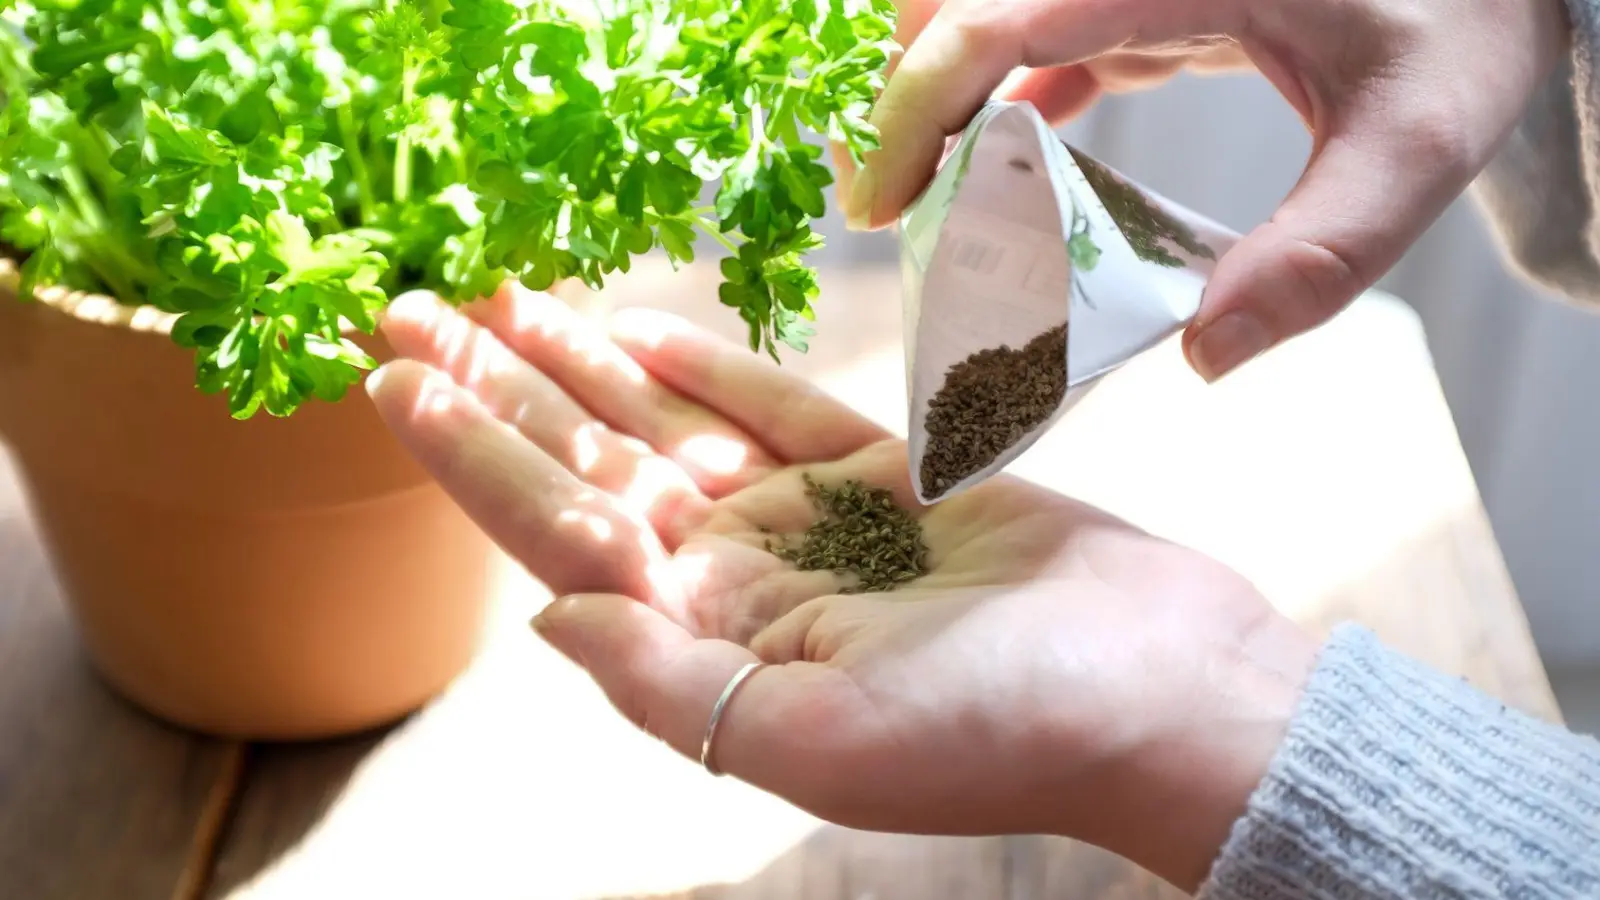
(1055, 671)
(1407, 101)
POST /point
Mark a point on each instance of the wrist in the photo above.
(1180, 788)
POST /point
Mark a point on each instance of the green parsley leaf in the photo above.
(273, 173)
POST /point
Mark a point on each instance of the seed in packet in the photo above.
(1031, 271)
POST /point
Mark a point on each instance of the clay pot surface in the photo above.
(274, 579)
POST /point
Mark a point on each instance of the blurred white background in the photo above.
(1517, 364)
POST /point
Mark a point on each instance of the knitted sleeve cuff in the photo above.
(1396, 781)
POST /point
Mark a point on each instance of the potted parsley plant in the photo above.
(204, 208)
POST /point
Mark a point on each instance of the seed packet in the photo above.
(1030, 271)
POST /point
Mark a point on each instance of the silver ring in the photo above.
(716, 714)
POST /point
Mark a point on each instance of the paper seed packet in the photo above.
(1030, 271)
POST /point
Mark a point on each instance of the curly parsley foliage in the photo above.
(275, 170)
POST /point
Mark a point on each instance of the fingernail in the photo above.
(844, 174)
(1234, 338)
(863, 193)
(564, 606)
(375, 379)
(418, 306)
(541, 622)
(546, 629)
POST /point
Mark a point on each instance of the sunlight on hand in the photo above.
(677, 579)
(654, 480)
(713, 454)
(474, 355)
(585, 447)
(545, 314)
(691, 569)
(649, 328)
(435, 396)
(597, 526)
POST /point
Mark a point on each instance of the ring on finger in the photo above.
(706, 745)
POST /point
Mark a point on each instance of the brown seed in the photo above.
(1141, 221)
(860, 532)
(987, 403)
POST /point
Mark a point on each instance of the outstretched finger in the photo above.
(580, 357)
(567, 533)
(794, 419)
(420, 326)
(787, 729)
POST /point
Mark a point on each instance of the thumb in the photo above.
(911, 17)
(777, 731)
(964, 53)
(1369, 191)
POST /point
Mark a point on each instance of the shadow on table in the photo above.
(97, 799)
(837, 862)
(288, 791)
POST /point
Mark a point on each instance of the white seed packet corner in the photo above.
(1019, 237)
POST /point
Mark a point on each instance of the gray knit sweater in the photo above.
(1395, 781)
(1401, 783)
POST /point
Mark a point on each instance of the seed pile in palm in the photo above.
(860, 531)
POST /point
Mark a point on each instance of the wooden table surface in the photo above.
(1329, 472)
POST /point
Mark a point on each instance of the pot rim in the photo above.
(102, 309)
(89, 307)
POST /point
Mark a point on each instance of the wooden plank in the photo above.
(1506, 662)
(1440, 599)
(1055, 867)
(840, 863)
(97, 801)
(290, 787)
(1330, 474)
(520, 782)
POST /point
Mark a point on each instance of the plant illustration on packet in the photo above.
(1030, 270)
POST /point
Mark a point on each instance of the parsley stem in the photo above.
(108, 268)
(93, 171)
(78, 190)
(783, 81)
(710, 227)
(89, 150)
(116, 263)
(358, 165)
(402, 151)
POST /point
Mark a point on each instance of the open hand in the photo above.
(1407, 101)
(1055, 670)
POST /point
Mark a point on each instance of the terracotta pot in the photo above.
(267, 579)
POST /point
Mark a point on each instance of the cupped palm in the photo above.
(638, 472)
